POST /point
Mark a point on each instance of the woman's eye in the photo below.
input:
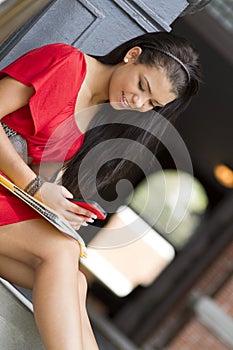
(140, 85)
(152, 105)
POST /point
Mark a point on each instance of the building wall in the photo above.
(182, 329)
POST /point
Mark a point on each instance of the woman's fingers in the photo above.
(66, 193)
(74, 208)
(76, 226)
(77, 220)
(55, 197)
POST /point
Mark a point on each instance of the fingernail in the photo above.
(94, 216)
(90, 220)
(84, 224)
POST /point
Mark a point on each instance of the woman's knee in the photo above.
(37, 241)
(63, 249)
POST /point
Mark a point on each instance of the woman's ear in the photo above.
(133, 54)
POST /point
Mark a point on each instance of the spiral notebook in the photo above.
(50, 215)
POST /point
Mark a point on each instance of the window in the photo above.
(142, 238)
(222, 11)
(173, 203)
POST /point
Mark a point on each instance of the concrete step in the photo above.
(18, 330)
(17, 326)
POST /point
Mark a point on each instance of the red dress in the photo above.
(47, 123)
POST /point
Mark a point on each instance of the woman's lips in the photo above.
(124, 101)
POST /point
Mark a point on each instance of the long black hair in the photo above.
(158, 49)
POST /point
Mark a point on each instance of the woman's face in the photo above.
(139, 87)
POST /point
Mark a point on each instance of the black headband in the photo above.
(177, 60)
(173, 57)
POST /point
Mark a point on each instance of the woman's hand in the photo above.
(55, 197)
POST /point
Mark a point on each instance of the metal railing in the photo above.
(213, 317)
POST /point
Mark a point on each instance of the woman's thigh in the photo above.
(16, 272)
(33, 241)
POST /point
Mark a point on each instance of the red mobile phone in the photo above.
(94, 207)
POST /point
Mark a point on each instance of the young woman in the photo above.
(50, 87)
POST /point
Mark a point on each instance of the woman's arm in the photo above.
(47, 171)
(14, 95)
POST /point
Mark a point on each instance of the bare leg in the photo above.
(46, 259)
(56, 309)
(88, 336)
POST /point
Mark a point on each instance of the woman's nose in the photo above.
(139, 100)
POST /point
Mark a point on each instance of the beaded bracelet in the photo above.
(34, 186)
